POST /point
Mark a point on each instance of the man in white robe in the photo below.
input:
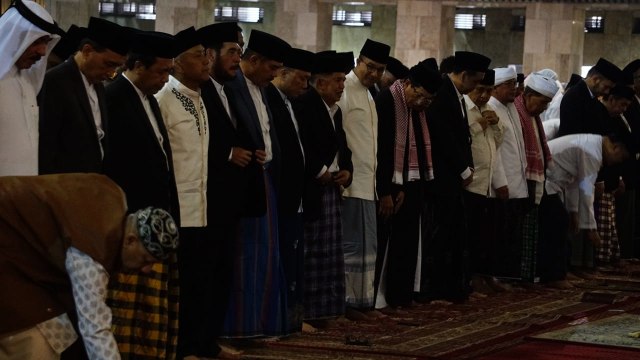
(511, 158)
(360, 122)
(28, 34)
(577, 158)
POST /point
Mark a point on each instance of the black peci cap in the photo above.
(268, 45)
(299, 59)
(467, 60)
(424, 75)
(376, 51)
(109, 34)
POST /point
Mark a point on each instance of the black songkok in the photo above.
(330, 62)
(397, 68)
(268, 45)
(489, 78)
(376, 51)
(467, 60)
(109, 34)
(425, 76)
(186, 39)
(299, 59)
(218, 33)
(608, 70)
(69, 43)
(152, 43)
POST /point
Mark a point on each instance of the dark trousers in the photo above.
(626, 224)
(481, 232)
(402, 251)
(291, 237)
(447, 262)
(553, 242)
(508, 220)
(204, 262)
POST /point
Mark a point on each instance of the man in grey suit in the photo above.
(73, 115)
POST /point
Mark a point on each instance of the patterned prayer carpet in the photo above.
(458, 331)
(619, 330)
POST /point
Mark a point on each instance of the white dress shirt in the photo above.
(484, 146)
(95, 109)
(263, 116)
(577, 158)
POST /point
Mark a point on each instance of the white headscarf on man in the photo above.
(17, 34)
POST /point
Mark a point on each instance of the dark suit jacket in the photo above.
(227, 185)
(322, 142)
(68, 137)
(136, 161)
(251, 139)
(580, 113)
(292, 175)
(385, 107)
(633, 118)
(450, 139)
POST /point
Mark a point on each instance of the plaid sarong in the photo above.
(145, 312)
(605, 212)
(324, 287)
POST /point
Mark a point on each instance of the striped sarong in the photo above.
(605, 212)
(145, 312)
(360, 243)
(257, 306)
(324, 289)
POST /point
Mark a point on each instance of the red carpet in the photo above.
(496, 324)
(551, 350)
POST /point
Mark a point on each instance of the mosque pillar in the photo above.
(554, 38)
(68, 12)
(424, 29)
(173, 16)
(304, 24)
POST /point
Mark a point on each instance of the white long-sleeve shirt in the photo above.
(577, 159)
(511, 153)
(185, 117)
(484, 145)
(360, 123)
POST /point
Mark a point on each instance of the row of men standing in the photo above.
(274, 185)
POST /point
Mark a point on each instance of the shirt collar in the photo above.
(183, 89)
(282, 95)
(140, 93)
(218, 86)
(460, 96)
(86, 82)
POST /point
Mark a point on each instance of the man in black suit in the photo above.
(73, 114)
(140, 151)
(627, 203)
(329, 168)
(404, 167)
(580, 110)
(256, 280)
(290, 82)
(447, 255)
(226, 184)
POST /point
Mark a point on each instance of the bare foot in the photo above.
(308, 329)
(356, 315)
(560, 284)
(375, 314)
(227, 352)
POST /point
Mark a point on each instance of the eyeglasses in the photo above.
(374, 68)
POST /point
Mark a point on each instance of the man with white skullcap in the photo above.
(28, 34)
(511, 157)
(63, 237)
(530, 104)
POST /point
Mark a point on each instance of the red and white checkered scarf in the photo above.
(404, 123)
(535, 163)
